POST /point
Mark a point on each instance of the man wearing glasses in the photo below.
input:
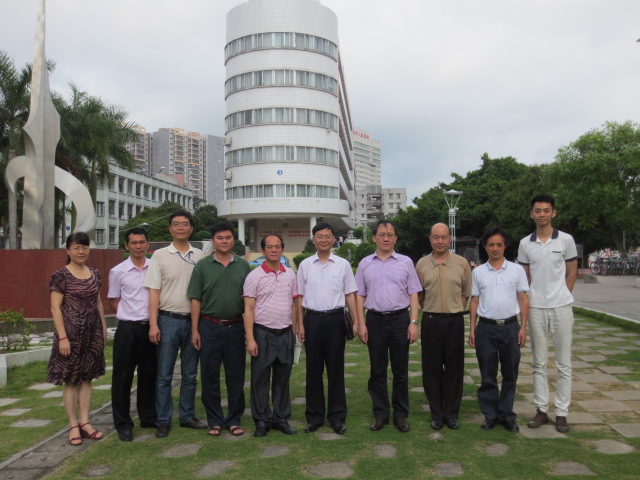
(167, 278)
(446, 279)
(387, 286)
(325, 284)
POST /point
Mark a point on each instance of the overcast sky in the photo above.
(437, 82)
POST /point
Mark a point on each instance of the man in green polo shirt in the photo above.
(217, 328)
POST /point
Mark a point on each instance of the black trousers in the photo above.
(275, 356)
(222, 345)
(497, 344)
(131, 349)
(442, 342)
(388, 341)
(324, 345)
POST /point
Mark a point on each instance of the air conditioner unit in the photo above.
(228, 175)
(227, 141)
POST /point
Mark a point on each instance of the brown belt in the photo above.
(221, 321)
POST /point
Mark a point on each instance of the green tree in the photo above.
(203, 218)
(596, 182)
(155, 221)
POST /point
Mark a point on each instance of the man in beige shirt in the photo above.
(446, 279)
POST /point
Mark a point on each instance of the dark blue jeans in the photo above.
(222, 345)
(175, 335)
(497, 344)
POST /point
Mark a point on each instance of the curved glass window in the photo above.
(275, 78)
(280, 153)
(298, 41)
(265, 116)
(266, 191)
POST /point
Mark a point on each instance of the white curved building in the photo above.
(289, 160)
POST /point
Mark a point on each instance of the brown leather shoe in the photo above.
(561, 424)
(378, 424)
(401, 424)
(540, 419)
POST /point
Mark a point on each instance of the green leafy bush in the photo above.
(14, 330)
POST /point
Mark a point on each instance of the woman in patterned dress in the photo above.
(77, 356)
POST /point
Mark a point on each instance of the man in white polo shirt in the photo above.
(498, 295)
(270, 308)
(549, 258)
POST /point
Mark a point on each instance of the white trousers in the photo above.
(558, 323)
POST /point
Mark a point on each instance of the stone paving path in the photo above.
(604, 395)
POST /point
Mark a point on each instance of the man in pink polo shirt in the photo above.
(269, 313)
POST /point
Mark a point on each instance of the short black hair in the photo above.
(323, 226)
(223, 226)
(543, 199)
(263, 242)
(181, 213)
(81, 238)
(490, 232)
(383, 223)
(135, 231)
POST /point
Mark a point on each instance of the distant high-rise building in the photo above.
(141, 150)
(374, 202)
(214, 169)
(289, 160)
(367, 155)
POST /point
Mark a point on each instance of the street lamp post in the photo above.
(452, 197)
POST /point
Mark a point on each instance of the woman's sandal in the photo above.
(236, 430)
(75, 441)
(214, 432)
(95, 435)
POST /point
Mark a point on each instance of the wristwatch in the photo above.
(415, 322)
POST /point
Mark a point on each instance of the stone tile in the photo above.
(629, 430)
(109, 368)
(578, 364)
(591, 344)
(330, 436)
(54, 394)
(351, 354)
(415, 362)
(525, 380)
(330, 470)
(351, 364)
(626, 334)
(426, 408)
(613, 447)
(497, 450)
(299, 401)
(570, 468)
(42, 386)
(102, 387)
(526, 359)
(214, 469)
(614, 339)
(603, 406)
(385, 451)
(529, 397)
(597, 377)
(7, 401)
(99, 471)
(436, 436)
(545, 431)
(346, 375)
(614, 369)
(181, 450)
(143, 438)
(624, 394)
(525, 409)
(580, 418)
(592, 358)
(30, 423)
(275, 451)
(415, 374)
(577, 386)
(14, 412)
(473, 371)
(448, 470)
(468, 380)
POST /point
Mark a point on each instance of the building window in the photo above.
(100, 209)
(100, 236)
(281, 153)
(281, 115)
(278, 78)
(265, 191)
(298, 41)
(112, 236)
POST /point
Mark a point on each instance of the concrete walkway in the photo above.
(617, 296)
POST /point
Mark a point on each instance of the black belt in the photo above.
(276, 331)
(180, 316)
(221, 321)
(500, 323)
(135, 322)
(326, 313)
(444, 315)
(387, 314)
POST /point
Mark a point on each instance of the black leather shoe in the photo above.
(401, 424)
(312, 427)
(510, 425)
(163, 430)
(436, 424)
(261, 432)
(193, 423)
(148, 425)
(125, 435)
(284, 427)
(378, 424)
(488, 424)
(340, 428)
(452, 423)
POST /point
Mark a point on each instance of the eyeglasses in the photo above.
(180, 224)
(323, 237)
(77, 249)
(385, 235)
(439, 237)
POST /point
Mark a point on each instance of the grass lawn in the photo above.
(417, 456)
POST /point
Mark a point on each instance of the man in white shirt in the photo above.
(498, 295)
(549, 258)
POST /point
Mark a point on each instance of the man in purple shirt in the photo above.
(131, 345)
(387, 285)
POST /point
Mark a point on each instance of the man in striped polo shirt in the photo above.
(270, 307)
